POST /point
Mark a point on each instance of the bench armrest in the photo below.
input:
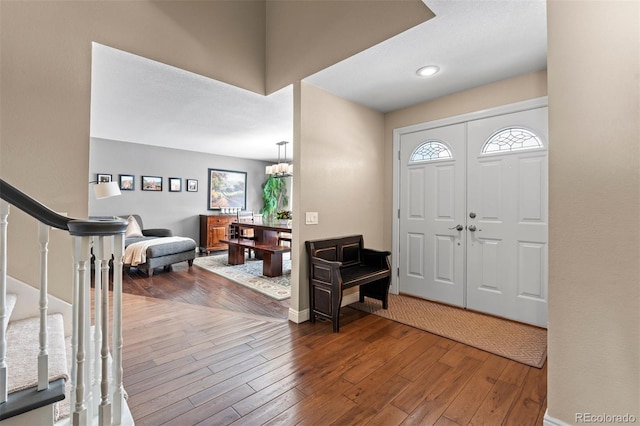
(328, 263)
(325, 271)
(157, 232)
(375, 258)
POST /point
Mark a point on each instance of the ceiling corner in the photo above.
(305, 37)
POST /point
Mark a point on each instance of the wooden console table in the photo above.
(213, 229)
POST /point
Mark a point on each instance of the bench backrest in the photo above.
(343, 249)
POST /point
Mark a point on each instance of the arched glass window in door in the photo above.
(429, 151)
(511, 139)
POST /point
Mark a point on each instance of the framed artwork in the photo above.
(192, 185)
(103, 178)
(151, 183)
(175, 184)
(127, 183)
(227, 188)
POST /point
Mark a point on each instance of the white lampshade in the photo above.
(106, 190)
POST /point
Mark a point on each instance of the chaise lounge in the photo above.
(147, 249)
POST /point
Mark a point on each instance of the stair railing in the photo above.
(101, 395)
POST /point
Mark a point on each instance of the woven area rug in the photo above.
(516, 341)
(250, 274)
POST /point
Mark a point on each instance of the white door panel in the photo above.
(508, 192)
(432, 205)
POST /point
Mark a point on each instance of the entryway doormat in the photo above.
(519, 342)
(250, 275)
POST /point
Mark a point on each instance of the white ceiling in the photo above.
(474, 42)
(138, 100)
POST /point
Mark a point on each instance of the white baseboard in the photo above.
(551, 421)
(304, 315)
(299, 316)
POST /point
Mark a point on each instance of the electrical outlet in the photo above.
(311, 218)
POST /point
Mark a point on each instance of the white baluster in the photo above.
(74, 320)
(43, 355)
(81, 250)
(98, 255)
(4, 373)
(104, 411)
(118, 391)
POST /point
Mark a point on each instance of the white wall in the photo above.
(339, 158)
(594, 208)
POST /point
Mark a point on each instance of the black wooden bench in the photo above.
(272, 254)
(337, 264)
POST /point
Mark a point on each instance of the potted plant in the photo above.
(274, 197)
(284, 216)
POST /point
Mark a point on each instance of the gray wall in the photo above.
(178, 211)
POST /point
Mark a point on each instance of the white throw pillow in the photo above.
(133, 229)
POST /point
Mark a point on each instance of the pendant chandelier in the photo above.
(282, 168)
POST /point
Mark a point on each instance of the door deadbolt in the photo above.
(472, 215)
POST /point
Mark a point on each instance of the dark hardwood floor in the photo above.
(199, 287)
(201, 350)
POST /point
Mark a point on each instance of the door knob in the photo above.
(473, 228)
(458, 228)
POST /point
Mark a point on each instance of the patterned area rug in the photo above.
(516, 341)
(250, 274)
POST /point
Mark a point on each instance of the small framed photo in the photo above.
(175, 184)
(127, 183)
(192, 185)
(103, 178)
(151, 183)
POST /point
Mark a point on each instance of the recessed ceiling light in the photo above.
(428, 70)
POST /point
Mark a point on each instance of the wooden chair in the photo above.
(284, 237)
(244, 216)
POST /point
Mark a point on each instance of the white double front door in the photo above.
(473, 215)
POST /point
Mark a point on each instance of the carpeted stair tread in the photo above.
(23, 347)
(10, 304)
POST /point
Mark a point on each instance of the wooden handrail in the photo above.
(33, 208)
(43, 214)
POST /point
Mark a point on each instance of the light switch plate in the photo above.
(311, 218)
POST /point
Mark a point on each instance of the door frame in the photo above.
(400, 131)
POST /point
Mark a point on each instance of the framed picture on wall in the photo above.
(127, 182)
(103, 178)
(151, 183)
(175, 184)
(192, 185)
(227, 189)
